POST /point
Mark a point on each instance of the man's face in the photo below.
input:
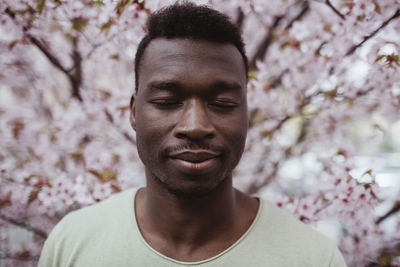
(190, 113)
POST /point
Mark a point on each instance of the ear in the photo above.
(132, 117)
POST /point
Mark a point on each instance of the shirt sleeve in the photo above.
(47, 255)
(51, 251)
(337, 259)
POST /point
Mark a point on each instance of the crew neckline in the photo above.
(231, 247)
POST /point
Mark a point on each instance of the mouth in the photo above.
(195, 156)
(195, 161)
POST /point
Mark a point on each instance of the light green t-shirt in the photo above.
(106, 234)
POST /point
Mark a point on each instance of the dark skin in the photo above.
(190, 118)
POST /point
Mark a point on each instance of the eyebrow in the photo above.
(218, 86)
(226, 86)
(161, 85)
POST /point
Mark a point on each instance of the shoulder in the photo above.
(108, 205)
(279, 233)
(104, 210)
(284, 226)
(281, 222)
(84, 231)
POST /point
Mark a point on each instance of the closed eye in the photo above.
(166, 103)
(223, 104)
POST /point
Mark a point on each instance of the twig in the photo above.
(278, 80)
(266, 42)
(304, 10)
(387, 255)
(393, 210)
(75, 77)
(45, 51)
(280, 123)
(240, 19)
(125, 134)
(23, 225)
(12, 181)
(303, 131)
(95, 46)
(39, 45)
(366, 38)
(74, 74)
(255, 187)
(334, 9)
(19, 257)
(264, 45)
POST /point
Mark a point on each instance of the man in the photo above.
(189, 112)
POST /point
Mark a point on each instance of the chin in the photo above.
(189, 189)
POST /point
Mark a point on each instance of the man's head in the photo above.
(189, 21)
(190, 109)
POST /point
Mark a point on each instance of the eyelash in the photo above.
(170, 103)
(165, 103)
(223, 104)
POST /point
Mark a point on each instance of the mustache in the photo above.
(191, 146)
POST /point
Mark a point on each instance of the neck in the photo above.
(186, 221)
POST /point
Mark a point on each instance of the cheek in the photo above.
(235, 128)
(149, 121)
(147, 131)
(234, 136)
(148, 147)
(148, 134)
(151, 132)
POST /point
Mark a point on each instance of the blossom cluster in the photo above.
(319, 70)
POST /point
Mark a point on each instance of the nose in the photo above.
(195, 123)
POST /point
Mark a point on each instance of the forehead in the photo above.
(191, 62)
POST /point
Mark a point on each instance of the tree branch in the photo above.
(74, 75)
(393, 210)
(264, 45)
(255, 187)
(125, 134)
(46, 52)
(366, 38)
(240, 19)
(266, 42)
(22, 257)
(334, 9)
(278, 80)
(23, 225)
(387, 256)
(39, 45)
(304, 10)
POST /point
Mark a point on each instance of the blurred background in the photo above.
(324, 109)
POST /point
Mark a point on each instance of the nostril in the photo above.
(180, 136)
(209, 136)
(189, 135)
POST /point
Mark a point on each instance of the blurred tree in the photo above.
(318, 70)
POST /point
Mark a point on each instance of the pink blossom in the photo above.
(311, 97)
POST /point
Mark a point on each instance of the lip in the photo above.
(194, 162)
(195, 156)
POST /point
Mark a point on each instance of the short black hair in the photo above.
(187, 20)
